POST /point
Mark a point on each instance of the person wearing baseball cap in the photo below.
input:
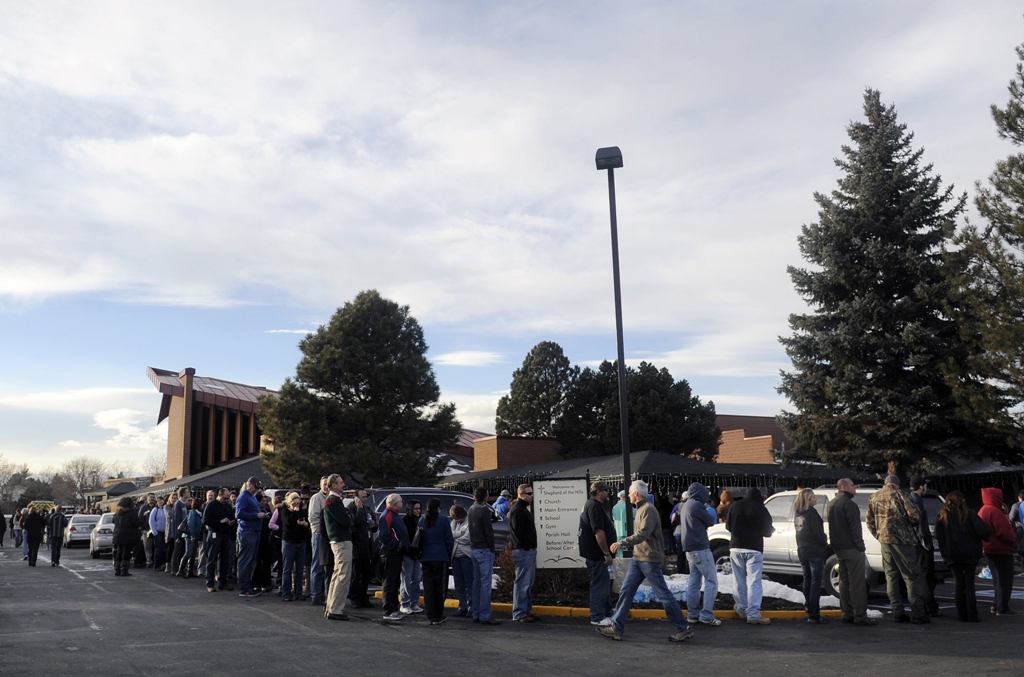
(250, 521)
(892, 518)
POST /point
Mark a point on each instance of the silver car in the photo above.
(101, 540)
(78, 529)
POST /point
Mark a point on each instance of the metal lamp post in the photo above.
(611, 159)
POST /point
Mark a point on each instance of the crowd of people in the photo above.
(321, 547)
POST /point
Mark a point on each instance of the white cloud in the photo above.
(288, 331)
(476, 412)
(80, 401)
(469, 358)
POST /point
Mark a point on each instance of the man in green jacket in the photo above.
(338, 521)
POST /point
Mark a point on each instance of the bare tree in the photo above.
(85, 473)
(12, 477)
(155, 465)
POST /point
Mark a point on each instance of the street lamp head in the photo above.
(609, 158)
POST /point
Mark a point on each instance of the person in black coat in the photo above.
(960, 532)
(362, 553)
(55, 525)
(812, 548)
(33, 524)
(127, 532)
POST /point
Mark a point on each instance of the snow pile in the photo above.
(727, 585)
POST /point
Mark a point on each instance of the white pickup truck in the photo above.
(780, 550)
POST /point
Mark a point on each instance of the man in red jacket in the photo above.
(999, 549)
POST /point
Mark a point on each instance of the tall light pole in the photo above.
(611, 159)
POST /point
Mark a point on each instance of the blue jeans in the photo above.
(316, 570)
(746, 567)
(526, 574)
(462, 571)
(634, 577)
(600, 590)
(248, 541)
(483, 567)
(813, 569)
(410, 582)
(702, 568)
(293, 565)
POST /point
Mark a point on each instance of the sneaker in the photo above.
(760, 620)
(417, 609)
(603, 623)
(406, 610)
(393, 616)
(210, 588)
(610, 632)
(714, 622)
(682, 636)
(439, 621)
(692, 621)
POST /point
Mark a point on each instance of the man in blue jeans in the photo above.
(749, 524)
(316, 567)
(596, 533)
(648, 552)
(250, 521)
(481, 540)
(694, 521)
(524, 549)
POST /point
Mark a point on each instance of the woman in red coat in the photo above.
(999, 549)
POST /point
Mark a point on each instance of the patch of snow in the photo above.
(727, 585)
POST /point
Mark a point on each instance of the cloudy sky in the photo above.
(199, 184)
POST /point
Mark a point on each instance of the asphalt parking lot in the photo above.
(79, 618)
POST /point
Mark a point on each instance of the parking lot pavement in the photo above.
(79, 618)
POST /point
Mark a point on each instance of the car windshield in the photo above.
(107, 518)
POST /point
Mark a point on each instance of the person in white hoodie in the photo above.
(462, 559)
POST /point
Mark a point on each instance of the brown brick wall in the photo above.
(491, 453)
(736, 448)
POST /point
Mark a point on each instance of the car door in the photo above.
(779, 546)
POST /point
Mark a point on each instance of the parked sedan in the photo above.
(78, 529)
(101, 540)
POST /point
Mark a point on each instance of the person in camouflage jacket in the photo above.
(892, 518)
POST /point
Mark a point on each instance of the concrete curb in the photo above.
(639, 614)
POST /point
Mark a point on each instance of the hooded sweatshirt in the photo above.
(695, 519)
(1003, 541)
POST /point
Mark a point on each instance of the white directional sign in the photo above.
(557, 506)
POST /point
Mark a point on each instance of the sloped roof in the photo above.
(467, 437)
(230, 475)
(215, 391)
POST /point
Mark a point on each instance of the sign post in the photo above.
(557, 506)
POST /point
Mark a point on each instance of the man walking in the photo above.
(394, 544)
(338, 521)
(893, 518)
(749, 524)
(250, 522)
(847, 538)
(648, 554)
(524, 549)
(316, 570)
(56, 525)
(694, 520)
(481, 539)
(924, 548)
(596, 534)
(219, 520)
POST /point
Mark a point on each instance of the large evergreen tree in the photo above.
(537, 396)
(664, 415)
(881, 375)
(364, 402)
(992, 265)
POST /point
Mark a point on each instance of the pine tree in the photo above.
(880, 373)
(992, 264)
(364, 402)
(537, 395)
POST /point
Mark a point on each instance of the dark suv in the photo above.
(448, 498)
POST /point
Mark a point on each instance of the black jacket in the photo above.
(34, 525)
(213, 513)
(521, 527)
(127, 526)
(361, 545)
(749, 523)
(844, 527)
(960, 542)
(811, 541)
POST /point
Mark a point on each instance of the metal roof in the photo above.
(215, 391)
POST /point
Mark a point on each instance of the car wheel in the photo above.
(723, 564)
(831, 577)
(95, 553)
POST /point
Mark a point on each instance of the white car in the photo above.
(78, 529)
(101, 539)
(780, 549)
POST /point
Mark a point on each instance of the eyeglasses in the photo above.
(527, 493)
